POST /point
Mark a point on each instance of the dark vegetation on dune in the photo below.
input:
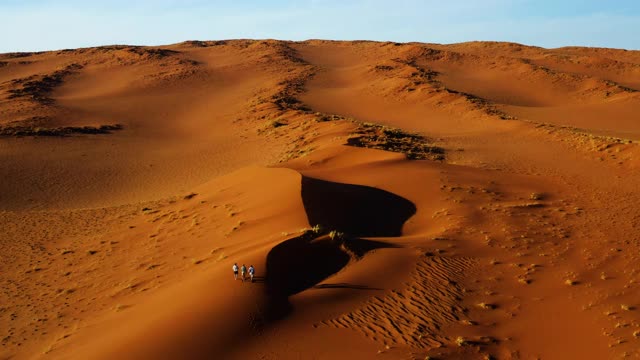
(428, 76)
(58, 131)
(16, 55)
(143, 51)
(201, 43)
(415, 147)
(286, 97)
(38, 87)
(345, 213)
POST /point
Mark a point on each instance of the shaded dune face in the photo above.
(359, 211)
(353, 210)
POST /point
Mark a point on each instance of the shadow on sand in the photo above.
(357, 210)
(352, 210)
(344, 286)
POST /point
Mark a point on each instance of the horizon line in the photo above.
(320, 39)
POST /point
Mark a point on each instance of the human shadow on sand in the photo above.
(344, 286)
(345, 213)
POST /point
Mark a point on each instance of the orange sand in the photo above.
(518, 243)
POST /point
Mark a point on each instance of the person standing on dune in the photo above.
(243, 271)
(252, 271)
(235, 271)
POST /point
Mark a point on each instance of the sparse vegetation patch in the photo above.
(414, 146)
(38, 87)
(58, 131)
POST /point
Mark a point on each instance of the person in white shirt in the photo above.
(235, 271)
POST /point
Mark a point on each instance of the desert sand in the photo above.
(398, 200)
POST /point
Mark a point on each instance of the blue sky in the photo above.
(29, 25)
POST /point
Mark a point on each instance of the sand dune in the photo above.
(462, 201)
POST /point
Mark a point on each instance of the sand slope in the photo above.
(461, 201)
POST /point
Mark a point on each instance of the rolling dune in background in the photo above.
(465, 201)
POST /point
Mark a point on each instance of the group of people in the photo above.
(243, 272)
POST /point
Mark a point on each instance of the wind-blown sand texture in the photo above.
(399, 201)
